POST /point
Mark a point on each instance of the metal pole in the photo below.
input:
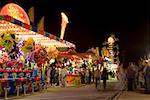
(25, 86)
(33, 87)
(5, 93)
(18, 90)
(40, 87)
(5, 88)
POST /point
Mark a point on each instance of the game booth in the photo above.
(74, 62)
(23, 52)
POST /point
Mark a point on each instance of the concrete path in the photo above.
(127, 95)
(88, 92)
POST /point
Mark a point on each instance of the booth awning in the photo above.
(24, 31)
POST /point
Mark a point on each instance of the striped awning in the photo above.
(24, 31)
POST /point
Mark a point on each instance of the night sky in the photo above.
(92, 22)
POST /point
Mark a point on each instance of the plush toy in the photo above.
(52, 52)
(28, 46)
(5, 57)
(8, 40)
(40, 56)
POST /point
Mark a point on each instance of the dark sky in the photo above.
(92, 21)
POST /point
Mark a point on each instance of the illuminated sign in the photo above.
(16, 12)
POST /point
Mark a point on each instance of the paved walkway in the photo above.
(88, 92)
(127, 95)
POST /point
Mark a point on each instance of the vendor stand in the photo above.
(15, 23)
(74, 65)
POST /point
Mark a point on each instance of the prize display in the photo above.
(15, 68)
(24, 52)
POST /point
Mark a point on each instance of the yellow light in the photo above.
(63, 24)
(111, 40)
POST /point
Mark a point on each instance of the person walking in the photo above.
(57, 77)
(97, 76)
(130, 75)
(52, 76)
(141, 79)
(104, 77)
(90, 75)
(63, 76)
(147, 77)
(48, 76)
(87, 76)
(82, 73)
(135, 81)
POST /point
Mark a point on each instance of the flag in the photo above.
(41, 26)
(31, 14)
(64, 23)
(97, 51)
(104, 52)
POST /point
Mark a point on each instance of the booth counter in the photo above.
(73, 79)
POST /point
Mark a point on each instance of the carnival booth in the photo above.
(23, 51)
(70, 61)
(74, 62)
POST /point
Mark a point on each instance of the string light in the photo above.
(24, 34)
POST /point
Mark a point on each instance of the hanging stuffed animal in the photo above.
(28, 46)
(40, 56)
(8, 41)
(52, 52)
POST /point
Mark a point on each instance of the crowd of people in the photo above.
(55, 74)
(101, 75)
(136, 76)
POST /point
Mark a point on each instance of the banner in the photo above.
(41, 26)
(97, 51)
(104, 52)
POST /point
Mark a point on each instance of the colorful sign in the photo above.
(16, 12)
(104, 52)
(73, 80)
